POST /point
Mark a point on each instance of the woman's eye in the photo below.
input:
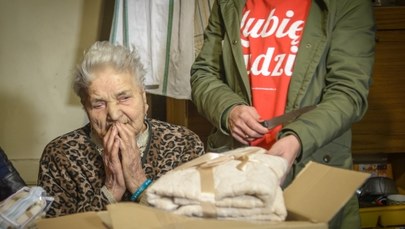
(97, 105)
(124, 98)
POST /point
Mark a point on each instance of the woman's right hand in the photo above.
(114, 181)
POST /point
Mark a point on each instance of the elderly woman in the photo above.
(121, 151)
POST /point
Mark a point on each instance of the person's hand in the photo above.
(243, 122)
(114, 182)
(133, 173)
(287, 147)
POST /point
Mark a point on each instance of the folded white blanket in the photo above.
(239, 184)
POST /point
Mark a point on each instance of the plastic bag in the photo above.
(23, 207)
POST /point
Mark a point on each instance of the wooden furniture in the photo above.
(382, 130)
(383, 127)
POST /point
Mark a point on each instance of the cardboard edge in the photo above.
(88, 220)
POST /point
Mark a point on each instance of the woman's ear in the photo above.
(145, 102)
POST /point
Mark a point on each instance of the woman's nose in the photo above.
(113, 112)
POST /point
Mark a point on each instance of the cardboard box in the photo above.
(375, 169)
(314, 197)
(88, 220)
(375, 164)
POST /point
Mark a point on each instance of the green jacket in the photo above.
(333, 70)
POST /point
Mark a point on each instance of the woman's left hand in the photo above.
(287, 147)
(130, 157)
(114, 182)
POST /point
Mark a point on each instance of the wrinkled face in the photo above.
(114, 97)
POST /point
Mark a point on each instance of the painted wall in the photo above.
(41, 41)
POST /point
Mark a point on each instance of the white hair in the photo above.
(104, 53)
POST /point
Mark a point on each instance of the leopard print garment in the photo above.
(72, 170)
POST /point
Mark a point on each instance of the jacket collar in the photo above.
(232, 13)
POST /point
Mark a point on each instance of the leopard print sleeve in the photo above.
(70, 172)
(170, 146)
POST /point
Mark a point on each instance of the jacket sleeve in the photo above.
(210, 90)
(348, 62)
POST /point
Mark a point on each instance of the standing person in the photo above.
(120, 151)
(262, 58)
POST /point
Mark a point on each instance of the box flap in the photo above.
(320, 191)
